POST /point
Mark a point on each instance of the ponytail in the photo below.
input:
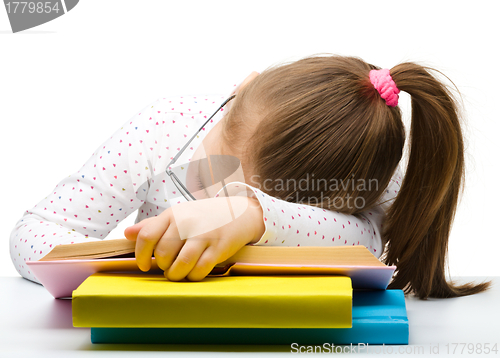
(419, 221)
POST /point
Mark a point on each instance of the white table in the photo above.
(34, 324)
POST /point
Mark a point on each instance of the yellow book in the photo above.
(107, 299)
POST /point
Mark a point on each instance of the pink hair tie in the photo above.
(386, 87)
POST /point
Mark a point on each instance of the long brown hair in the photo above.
(320, 117)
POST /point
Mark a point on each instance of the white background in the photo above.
(67, 85)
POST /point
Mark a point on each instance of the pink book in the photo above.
(61, 277)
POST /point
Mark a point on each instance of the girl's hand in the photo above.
(190, 238)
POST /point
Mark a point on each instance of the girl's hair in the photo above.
(320, 120)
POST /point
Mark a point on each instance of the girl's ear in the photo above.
(246, 81)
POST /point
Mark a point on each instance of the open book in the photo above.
(277, 255)
(75, 262)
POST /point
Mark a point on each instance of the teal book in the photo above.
(378, 317)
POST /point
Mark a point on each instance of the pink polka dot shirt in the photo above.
(126, 174)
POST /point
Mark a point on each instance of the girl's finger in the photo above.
(186, 259)
(131, 232)
(204, 265)
(168, 248)
(147, 239)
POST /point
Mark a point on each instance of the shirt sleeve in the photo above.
(292, 224)
(89, 204)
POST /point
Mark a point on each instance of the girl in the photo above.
(329, 122)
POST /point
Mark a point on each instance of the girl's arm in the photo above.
(88, 204)
(291, 224)
(189, 239)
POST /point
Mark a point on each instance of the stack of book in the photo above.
(261, 295)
